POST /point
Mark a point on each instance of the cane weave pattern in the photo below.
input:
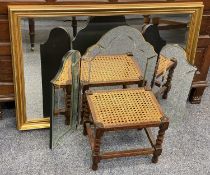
(163, 65)
(107, 68)
(63, 78)
(124, 107)
(110, 68)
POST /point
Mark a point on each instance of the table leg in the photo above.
(31, 32)
(74, 26)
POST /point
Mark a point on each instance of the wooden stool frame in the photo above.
(95, 137)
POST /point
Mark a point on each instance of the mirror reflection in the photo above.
(116, 52)
(44, 45)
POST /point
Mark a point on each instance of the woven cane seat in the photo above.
(163, 65)
(124, 107)
(102, 69)
(62, 77)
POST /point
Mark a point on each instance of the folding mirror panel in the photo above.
(61, 51)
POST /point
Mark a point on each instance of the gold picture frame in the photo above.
(16, 12)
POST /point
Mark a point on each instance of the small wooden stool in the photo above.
(108, 70)
(103, 70)
(115, 110)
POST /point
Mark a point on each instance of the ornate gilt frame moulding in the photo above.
(16, 12)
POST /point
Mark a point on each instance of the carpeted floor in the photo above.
(185, 150)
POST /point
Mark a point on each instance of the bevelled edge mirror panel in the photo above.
(17, 13)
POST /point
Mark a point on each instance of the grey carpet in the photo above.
(185, 150)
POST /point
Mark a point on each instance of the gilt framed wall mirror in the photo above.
(31, 27)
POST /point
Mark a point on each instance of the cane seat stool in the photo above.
(109, 70)
(103, 70)
(123, 109)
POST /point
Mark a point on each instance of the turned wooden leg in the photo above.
(142, 83)
(84, 129)
(74, 26)
(31, 32)
(1, 112)
(85, 109)
(146, 19)
(86, 124)
(158, 146)
(96, 149)
(169, 79)
(67, 104)
(125, 86)
(85, 115)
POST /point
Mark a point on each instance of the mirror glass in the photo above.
(36, 31)
(38, 55)
(113, 47)
(104, 43)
